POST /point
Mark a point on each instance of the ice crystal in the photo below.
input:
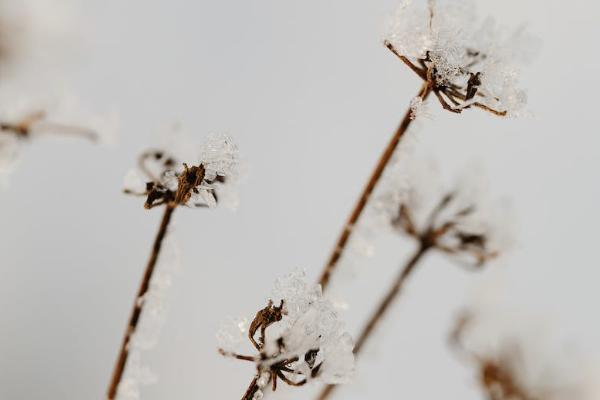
(233, 333)
(220, 156)
(468, 62)
(418, 108)
(135, 377)
(299, 340)
(312, 322)
(169, 181)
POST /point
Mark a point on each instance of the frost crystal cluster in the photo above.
(299, 339)
(418, 108)
(467, 62)
(165, 180)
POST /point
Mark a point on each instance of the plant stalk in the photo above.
(383, 307)
(363, 199)
(138, 304)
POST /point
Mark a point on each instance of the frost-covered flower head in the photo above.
(466, 63)
(517, 366)
(26, 118)
(165, 180)
(460, 223)
(299, 339)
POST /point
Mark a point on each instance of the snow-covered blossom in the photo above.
(460, 222)
(466, 62)
(299, 339)
(515, 358)
(166, 180)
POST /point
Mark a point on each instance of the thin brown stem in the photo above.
(138, 304)
(419, 71)
(363, 199)
(383, 307)
(63, 129)
(252, 389)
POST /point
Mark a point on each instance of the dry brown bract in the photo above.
(453, 97)
(190, 187)
(497, 374)
(448, 232)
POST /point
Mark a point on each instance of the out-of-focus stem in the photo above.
(363, 199)
(383, 307)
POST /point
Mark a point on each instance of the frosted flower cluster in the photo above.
(313, 323)
(469, 62)
(462, 222)
(163, 179)
(300, 339)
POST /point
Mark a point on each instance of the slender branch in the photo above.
(138, 305)
(252, 389)
(383, 307)
(386, 156)
(421, 72)
(63, 129)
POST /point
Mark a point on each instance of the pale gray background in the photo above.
(311, 95)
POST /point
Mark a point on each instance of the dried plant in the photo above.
(507, 370)
(463, 65)
(25, 120)
(147, 333)
(37, 123)
(453, 226)
(300, 339)
(169, 185)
